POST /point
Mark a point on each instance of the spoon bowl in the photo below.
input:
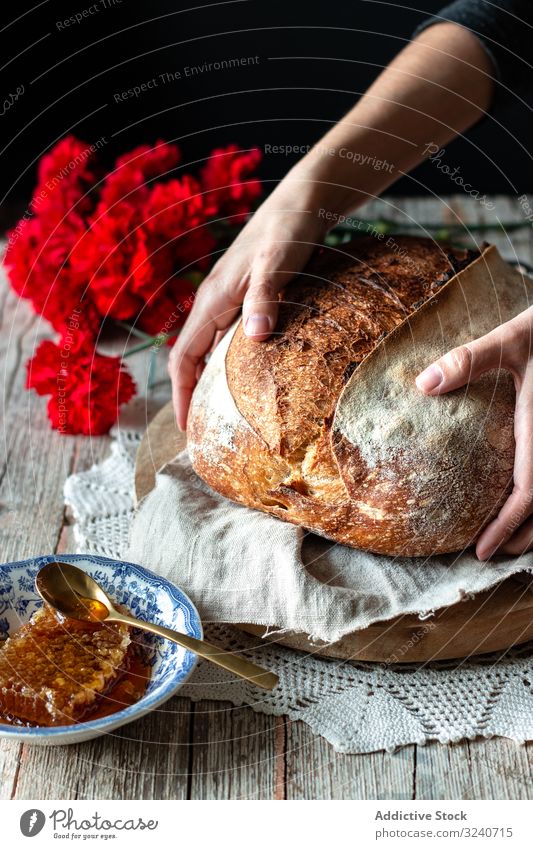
(72, 592)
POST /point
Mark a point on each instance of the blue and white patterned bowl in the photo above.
(147, 596)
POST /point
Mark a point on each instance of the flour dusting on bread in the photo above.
(213, 398)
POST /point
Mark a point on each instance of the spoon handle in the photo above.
(228, 660)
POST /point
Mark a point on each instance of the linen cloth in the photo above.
(358, 707)
(240, 565)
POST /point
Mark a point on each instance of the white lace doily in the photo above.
(357, 707)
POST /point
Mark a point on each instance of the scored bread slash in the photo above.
(55, 671)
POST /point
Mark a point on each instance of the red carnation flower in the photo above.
(166, 311)
(131, 253)
(87, 389)
(134, 170)
(175, 215)
(65, 176)
(68, 156)
(38, 262)
(84, 252)
(106, 257)
(224, 178)
(122, 264)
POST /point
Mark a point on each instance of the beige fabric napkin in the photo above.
(239, 565)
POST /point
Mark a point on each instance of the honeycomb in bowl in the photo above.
(55, 671)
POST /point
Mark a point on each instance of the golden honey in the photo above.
(57, 671)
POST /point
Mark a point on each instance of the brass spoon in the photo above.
(75, 594)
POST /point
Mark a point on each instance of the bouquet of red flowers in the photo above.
(129, 246)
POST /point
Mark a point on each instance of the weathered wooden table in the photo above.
(211, 750)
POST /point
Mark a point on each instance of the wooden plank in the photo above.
(145, 760)
(16, 321)
(454, 209)
(33, 466)
(10, 761)
(509, 242)
(480, 769)
(316, 771)
(495, 768)
(36, 462)
(234, 753)
(526, 234)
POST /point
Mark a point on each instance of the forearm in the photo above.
(436, 88)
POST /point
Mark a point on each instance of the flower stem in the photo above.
(133, 330)
(151, 342)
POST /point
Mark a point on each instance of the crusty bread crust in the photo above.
(296, 426)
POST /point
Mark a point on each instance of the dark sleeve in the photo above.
(505, 29)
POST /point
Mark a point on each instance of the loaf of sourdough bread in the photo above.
(322, 424)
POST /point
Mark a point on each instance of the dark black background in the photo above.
(71, 75)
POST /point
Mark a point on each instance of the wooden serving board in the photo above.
(494, 620)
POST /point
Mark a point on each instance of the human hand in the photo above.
(508, 346)
(273, 246)
(415, 99)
